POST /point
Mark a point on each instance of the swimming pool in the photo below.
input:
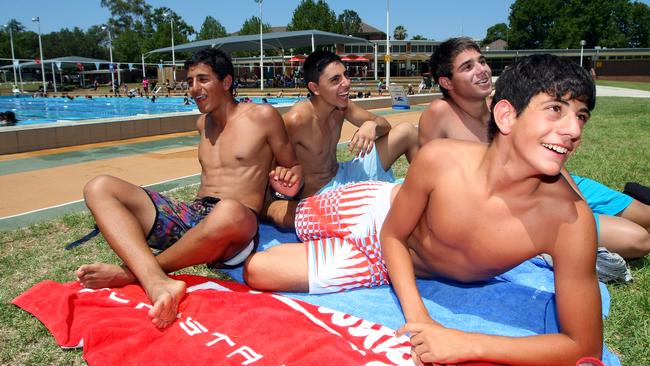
(31, 111)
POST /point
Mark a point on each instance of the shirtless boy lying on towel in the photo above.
(238, 143)
(466, 211)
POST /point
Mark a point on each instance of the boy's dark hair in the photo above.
(316, 62)
(442, 60)
(10, 117)
(217, 59)
(541, 74)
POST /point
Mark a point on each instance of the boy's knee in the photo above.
(253, 271)
(97, 186)
(229, 218)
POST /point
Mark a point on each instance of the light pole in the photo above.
(261, 49)
(13, 57)
(171, 19)
(387, 57)
(40, 47)
(110, 51)
(582, 46)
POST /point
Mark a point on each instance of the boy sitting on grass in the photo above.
(467, 212)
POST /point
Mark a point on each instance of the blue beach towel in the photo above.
(519, 302)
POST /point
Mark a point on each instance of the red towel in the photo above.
(220, 322)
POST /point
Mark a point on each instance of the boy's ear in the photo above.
(312, 87)
(504, 116)
(445, 82)
(227, 82)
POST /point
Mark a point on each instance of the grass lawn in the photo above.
(615, 150)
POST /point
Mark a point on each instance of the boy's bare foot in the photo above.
(165, 295)
(98, 275)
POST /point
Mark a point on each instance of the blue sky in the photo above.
(434, 19)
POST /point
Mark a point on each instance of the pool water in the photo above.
(31, 111)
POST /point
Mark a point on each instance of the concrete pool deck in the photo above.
(48, 183)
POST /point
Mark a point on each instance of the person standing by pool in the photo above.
(314, 128)
(238, 143)
(145, 86)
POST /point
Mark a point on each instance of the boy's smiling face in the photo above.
(333, 85)
(471, 75)
(206, 88)
(548, 130)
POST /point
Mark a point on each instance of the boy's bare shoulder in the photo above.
(301, 113)
(449, 153)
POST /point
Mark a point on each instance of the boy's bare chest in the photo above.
(319, 140)
(490, 231)
(230, 147)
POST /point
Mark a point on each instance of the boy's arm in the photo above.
(371, 127)
(578, 307)
(287, 177)
(406, 210)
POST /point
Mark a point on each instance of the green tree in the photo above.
(126, 14)
(530, 22)
(349, 23)
(157, 27)
(564, 23)
(73, 42)
(639, 31)
(211, 28)
(419, 37)
(252, 26)
(313, 15)
(497, 31)
(400, 33)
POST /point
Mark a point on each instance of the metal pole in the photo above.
(143, 73)
(40, 47)
(261, 48)
(13, 57)
(582, 46)
(110, 50)
(53, 76)
(20, 75)
(375, 47)
(387, 43)
(313, 47)
(173, 54)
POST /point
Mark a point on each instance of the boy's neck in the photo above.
(220, 114)
(475, 109)
(322, 109)
(508, 173)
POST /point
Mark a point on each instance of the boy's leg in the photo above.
(622, 236)
(637, 212)
(318, 266)
(227, 230)
(124, 213)
(283, 267)
(400, 140)
(281, 213)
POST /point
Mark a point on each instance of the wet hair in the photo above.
(316, 62)
(10, 117)
(442, 60)
(536, 74)
(218, 60)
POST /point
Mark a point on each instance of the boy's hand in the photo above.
(364, 139)
(286, 181)
(433, 343)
